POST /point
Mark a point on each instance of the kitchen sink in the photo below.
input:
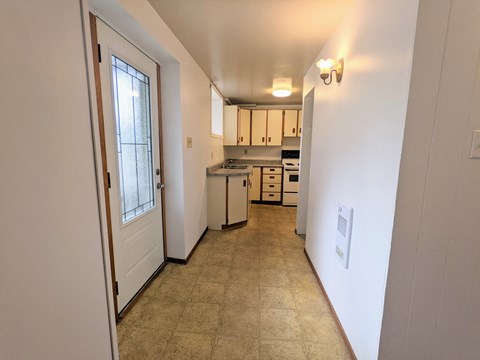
(235, 166)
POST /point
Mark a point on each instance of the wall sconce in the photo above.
(282, 87)
(328, 67)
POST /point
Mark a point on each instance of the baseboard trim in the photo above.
(335, 316)
(234, 226)
(185, 261)
(177, 261)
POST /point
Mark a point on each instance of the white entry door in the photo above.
(130, 106)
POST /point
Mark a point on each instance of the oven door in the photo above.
(290, 180)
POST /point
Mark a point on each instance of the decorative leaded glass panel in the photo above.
(131, 90)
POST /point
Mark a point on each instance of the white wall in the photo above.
(186, 113)
(356, 145)
(433, 294)
(53, 302)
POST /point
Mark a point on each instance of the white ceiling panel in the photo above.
(242, 45)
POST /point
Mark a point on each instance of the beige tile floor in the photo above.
(247, 293)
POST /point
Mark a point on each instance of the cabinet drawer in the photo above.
(272, 179)
(267, 196)
(272, 170)
(272, 188)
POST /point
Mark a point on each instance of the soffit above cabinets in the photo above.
(242, 45)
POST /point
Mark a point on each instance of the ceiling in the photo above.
(242, 45)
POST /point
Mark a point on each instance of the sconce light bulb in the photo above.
(328, 67)
(325, 65)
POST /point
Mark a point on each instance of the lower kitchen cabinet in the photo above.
(272, 184)
(256, 191)
(227, 201)
(267, 185)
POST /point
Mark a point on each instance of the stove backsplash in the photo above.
(253, 152)
(261, 152)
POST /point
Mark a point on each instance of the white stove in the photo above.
(291, 168)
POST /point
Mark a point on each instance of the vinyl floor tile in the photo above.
(188, 346)
(246, 293)
(235, 348)
(282, 350)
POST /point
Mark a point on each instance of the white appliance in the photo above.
(291, 167)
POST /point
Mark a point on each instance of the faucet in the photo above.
(225, 164)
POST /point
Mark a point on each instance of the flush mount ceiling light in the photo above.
(328, 67)
(282, 87)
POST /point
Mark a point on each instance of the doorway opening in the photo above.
(129, 110)
(305, 158)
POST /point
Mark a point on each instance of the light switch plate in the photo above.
(189, 143)
(475, 152)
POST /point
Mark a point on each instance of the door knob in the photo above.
(160, 186)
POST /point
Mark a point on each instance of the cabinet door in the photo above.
(300, 122)
(237, 199)
(230, 125)
(290, 123)
(244, 127)
(259, 127)
(217, 198)
(274, 127)
(256, 182)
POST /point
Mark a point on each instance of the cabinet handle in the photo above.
(300, 130)
(272, 177)
(272, 169)
(271, 195)
(272, 185)
(263, 139)
(241, 138)
(269, 139)
(244, 183)
(293, 131)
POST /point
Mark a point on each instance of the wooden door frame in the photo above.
(162, 163)
(103, 149)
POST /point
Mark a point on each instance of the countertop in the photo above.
(256, 162)
(218, 170)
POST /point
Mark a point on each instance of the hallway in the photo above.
(247, 293)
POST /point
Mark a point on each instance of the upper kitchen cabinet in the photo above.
(230, 125)
(244, 127)
(300, 122)
(259, 127)
(236, 125)
(274, 127)
(290, 123)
